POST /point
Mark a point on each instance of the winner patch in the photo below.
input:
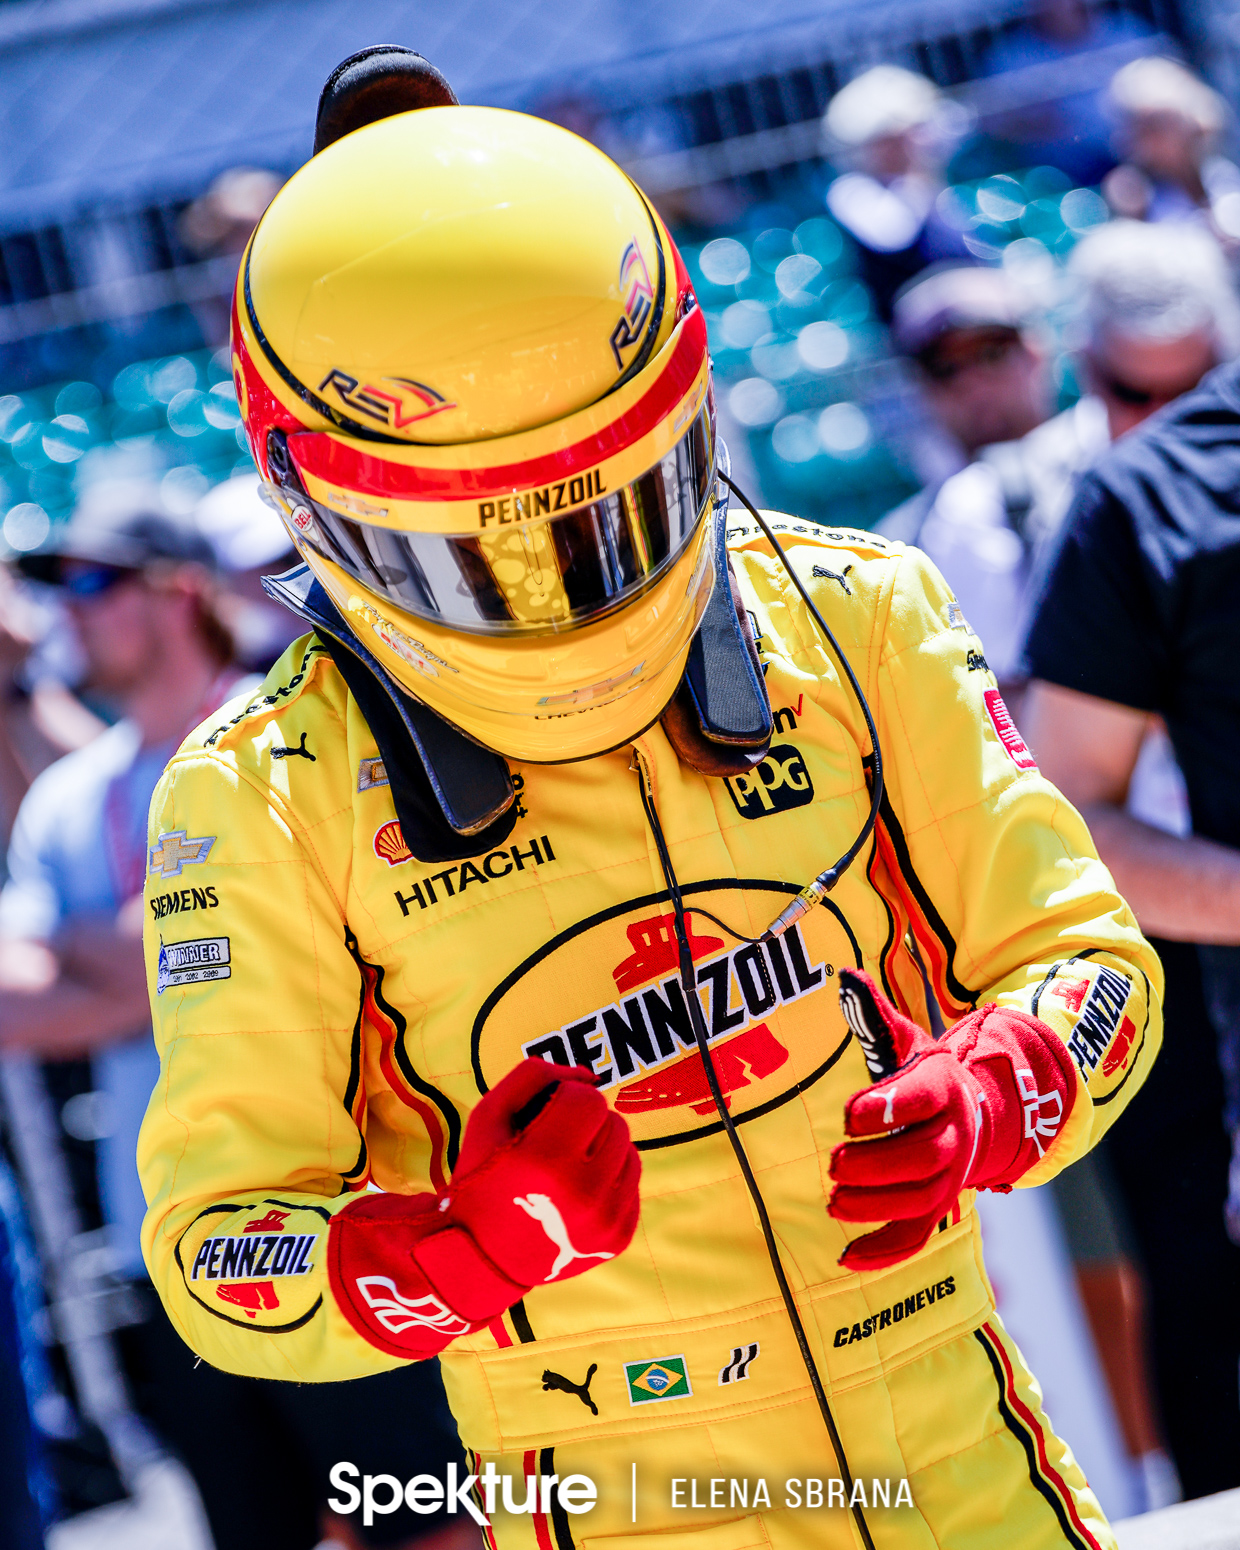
(189, 963)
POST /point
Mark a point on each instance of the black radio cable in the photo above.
(825, 881)
(688, 980)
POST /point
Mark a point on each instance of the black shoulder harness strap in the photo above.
(722, 677)
(454, 799)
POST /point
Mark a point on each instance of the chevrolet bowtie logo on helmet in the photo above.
(401, 402)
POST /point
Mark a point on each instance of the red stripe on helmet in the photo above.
(369, 473)
(261, 409)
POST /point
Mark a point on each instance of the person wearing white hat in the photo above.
(891, 130)
(249, 541)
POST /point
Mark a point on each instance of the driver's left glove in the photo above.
(975, 1109)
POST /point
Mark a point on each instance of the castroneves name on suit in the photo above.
(905, 1308)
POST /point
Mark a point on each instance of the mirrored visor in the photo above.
(542, 576)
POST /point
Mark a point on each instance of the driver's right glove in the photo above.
(546, 1186)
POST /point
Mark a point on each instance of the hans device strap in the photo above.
(454, 799)
(721, 675)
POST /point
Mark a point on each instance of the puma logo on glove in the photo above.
(545, 1187)
(974, 1109)
(543, 1209)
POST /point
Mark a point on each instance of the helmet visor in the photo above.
(535, 577)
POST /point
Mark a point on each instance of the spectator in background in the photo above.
(982, 369)
(141, 595)
(20, 1526)
(222, 219)
(217, 226)
(1138, 620)
(249, 541)
(1154, 311)
(1137, 626)
(144, 597)
(1170, 124)
(1046, 125)
(981, 366)
(40, 717)
(893, 130)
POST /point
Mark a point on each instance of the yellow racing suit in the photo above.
(328, 1009)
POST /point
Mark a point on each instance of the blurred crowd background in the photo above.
(948, 254)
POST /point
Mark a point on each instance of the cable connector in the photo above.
(813, 893)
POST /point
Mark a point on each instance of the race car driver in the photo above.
(564, 739)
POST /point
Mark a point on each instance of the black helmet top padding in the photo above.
(373, 84)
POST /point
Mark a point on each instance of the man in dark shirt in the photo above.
(1140, 618)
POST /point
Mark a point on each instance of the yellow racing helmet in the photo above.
(475, 378)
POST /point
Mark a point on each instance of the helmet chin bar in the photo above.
(454, 797)
(458, 791)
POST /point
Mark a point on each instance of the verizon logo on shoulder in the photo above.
(1005, 728)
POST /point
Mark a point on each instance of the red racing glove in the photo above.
(975, 1109)
(544, 1188)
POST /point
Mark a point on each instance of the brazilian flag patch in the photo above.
(666, 1378)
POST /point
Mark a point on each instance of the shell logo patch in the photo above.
(666, 1378)
(389, 843)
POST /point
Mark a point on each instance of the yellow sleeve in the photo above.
(252, 1138)
(995, 871)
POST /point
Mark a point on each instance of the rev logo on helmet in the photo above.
(779, 783)
(637, 299)
(400, 402)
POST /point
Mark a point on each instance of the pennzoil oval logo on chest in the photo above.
(607, 994)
